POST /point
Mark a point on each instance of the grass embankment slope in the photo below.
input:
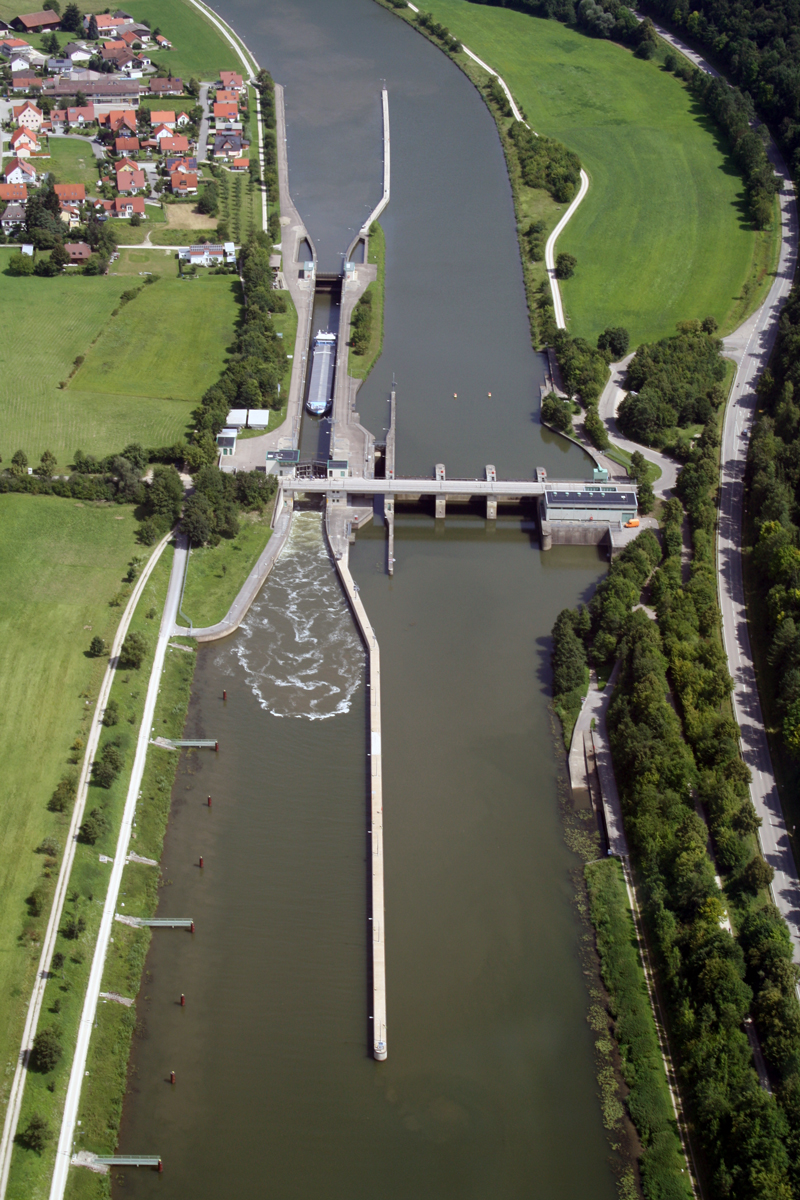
(45, 1091)
(360, 365)
(663, 234)
(171, 341)
(215, 574)
(165, 344)
(61, 563)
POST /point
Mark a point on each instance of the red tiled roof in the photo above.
(126, 143)
(75, 192)
(179, 145)
(13, 191)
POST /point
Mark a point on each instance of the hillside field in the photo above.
(161, 345)
(662, 235)
(61, 562)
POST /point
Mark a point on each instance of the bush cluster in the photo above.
(63, 797)
(585, 372)
(107, 767)
(546, 163)
(361, 325)
(212, 511)
(676, 382)
(557, 412)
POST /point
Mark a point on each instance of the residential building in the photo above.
(181, 163)
(232, 82)
(71, 215)
(19, 65)
(106, 24)
(70, 193)
(163, 116)
(223, 96)
(183, 119)
(13, 218)
(78, 252)
(77, 52)
(208, 254)
(121, 121)
(240, 164)
(28, 116)
(131, 182)
(174, 145)
(161, 131)
(59, 66)
(19, 170)
(226, 112)
(37, 22)
(229, 145)
(166, 87)
(126, 145)
(14, 193)
(73, 116)
(103, 90)
(118, 56)
(9, 46)
(183, 183)
(24, 143)
(163, 43)
(126, 206)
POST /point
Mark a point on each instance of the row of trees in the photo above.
(212, 511)
(440, 33)
(255, 367)
(266, 90)
(361, 324)
(676, 382)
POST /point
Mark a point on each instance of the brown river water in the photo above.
(489, 1087)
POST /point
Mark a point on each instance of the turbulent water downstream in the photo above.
(489, 1088)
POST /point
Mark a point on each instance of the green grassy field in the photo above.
(170, 341)
(44, 1093)
(360, 365)
(157, 262)
(72, 161)
(662, 234)
(36, 413)
(216, 573)
(200, 50)
(61, 562)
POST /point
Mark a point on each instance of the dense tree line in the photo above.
(662, 1164)
(546, 163)
(266, 89)
(774, 495)
(440, 33)
(361, 324)
(255, 367)
(673, 383)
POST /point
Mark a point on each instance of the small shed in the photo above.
(226, 442)
(338, 468)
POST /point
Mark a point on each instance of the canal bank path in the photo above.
(67, 1133)
(51, 933)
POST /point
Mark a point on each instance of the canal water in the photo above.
(489, 1086)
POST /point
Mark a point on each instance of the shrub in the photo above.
(36, 1134)
(97, 646)
(50, 846)
(565, 266)
(111, 714)
(62, 797)
(93, 828)
(134, 651)
(557, 412)
(47, 1050)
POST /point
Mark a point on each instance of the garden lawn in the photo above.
(44, 325)
(60, 562)
(72, 161)
(662, 234)
(171, 341)
(199, 51)
(239, 204)
(216, 573)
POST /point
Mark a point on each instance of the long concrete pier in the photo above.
(379, 1041)
(381, 205)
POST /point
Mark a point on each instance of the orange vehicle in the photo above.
(632, 524)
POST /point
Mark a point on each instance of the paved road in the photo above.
(610, 400)
(67, 1132)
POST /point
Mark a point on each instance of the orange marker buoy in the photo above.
(455, 395)
(489, 394)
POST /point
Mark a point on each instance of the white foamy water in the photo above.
(298, 646)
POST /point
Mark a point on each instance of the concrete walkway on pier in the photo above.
(595, 708)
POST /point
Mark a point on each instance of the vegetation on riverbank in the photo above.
(366, 328)
(662, 1163)
(638, 133)
(45, 1090)
(104, 1088)
(61, 563)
